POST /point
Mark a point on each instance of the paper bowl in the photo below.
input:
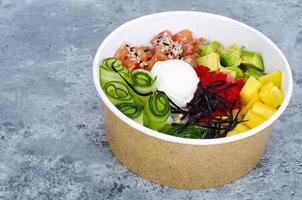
(179, 162)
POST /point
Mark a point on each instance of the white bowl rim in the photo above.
(180, 140)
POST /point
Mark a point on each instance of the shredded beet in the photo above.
(214, 103)
(228, 91)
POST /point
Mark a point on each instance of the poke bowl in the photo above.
(190, 98)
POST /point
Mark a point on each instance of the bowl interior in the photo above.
(212, 27)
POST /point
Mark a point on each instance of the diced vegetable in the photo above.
(210, 60)
(252, 59)
(263, 110)
(156, 111)
(253, 72)
(240, 128)
(249, 89)
(253, 120)
(233, 71)
(131, 110)
(249, 105)
(271, 95)
(231, 57)
(232, 132)
(210, 48)
(237, 70)
(275, 77)
(117, 92)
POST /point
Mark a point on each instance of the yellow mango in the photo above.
(252, 119)
(271, 95)
(250, 104)
(232, 132)
(275, 77)
(263, 110)
(240, 128)
(249, 89)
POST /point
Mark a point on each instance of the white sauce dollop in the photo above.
(177, 79)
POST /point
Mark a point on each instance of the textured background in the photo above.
(52, 143)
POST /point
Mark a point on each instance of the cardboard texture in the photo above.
(183, 165)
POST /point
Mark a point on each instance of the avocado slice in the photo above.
(252, 59)
(231, 72)
(237, 70)
(210, 48)
(231, 56)
(253, 72)
(211, 61)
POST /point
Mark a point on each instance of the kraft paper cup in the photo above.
(179, 162)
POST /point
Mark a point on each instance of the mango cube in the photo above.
(241, 128)
(263, 110)
(232, 132)
(271, 95)
(249, 89)
(252, 119)
(275, 77)
(250, 104)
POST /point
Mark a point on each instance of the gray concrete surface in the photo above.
(52, 143)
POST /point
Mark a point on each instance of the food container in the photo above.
(179, 162)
